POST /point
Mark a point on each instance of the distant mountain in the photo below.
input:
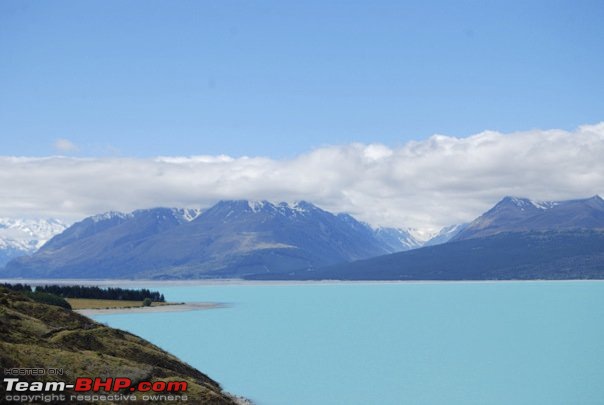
(397, 239)
(392, 239)
(119, 227)
(230, 239)
(513, 214)
(516, 239)
(20, 237)
(445, 234)
(98, 245)
(546, 255)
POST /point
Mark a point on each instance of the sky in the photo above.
(227, 97)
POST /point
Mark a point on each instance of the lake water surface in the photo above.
(400, 343)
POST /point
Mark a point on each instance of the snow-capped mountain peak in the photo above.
(24, 236)
(110, 215)
(282, 207)
(397, 239)
(525, 203)
(28, 233)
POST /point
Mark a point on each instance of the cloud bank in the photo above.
(424, 184)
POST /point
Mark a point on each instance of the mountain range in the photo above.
(516, 239)
(230, 239)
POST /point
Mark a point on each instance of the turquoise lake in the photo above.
(399, 343)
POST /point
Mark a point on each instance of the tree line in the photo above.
(38, 296)
(81, 291)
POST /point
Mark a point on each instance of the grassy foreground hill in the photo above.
(36, 335)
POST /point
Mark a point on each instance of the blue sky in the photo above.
(276, 79)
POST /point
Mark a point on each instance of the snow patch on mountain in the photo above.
(187, 214)
(523, 203)
(446, 234)
(422, 235)
(544, 205)
(257, 206)
(298, 206)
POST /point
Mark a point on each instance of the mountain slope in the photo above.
(230, 239)
(35, 335)
(96, 246)
(516, 239)
(505, 256)
(20, 237)
(514, 214)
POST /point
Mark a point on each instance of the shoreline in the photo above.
(244, 282)
(184, 307)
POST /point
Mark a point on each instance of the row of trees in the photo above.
(38, 296)
(81, 291)
(46, 298)
(111, 293)
(17, 287)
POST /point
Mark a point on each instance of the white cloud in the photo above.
(424, 184)
(65, 145)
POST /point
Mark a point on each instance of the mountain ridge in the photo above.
(232, 237)
(515, 214)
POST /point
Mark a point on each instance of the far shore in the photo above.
(137, 283)
(189, 306)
